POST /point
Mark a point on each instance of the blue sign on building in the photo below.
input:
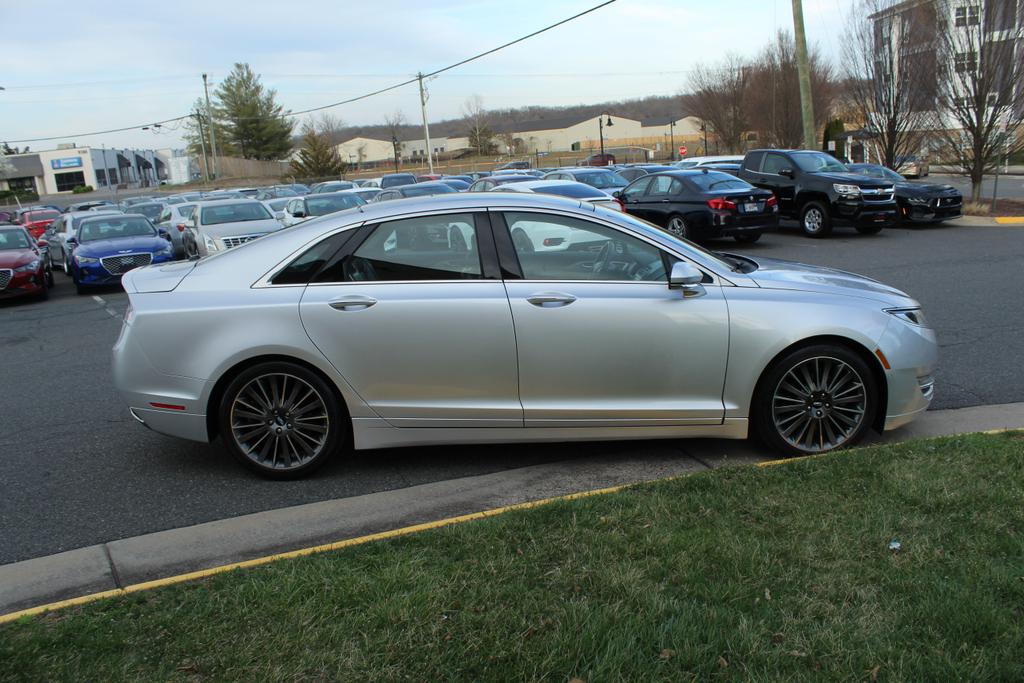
(67, 162)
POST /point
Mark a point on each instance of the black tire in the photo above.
(814, 219)
(250, 444)
(677, 226)
(45, 293)
(747, 237)
(49, 278)
(773, 412)
(870, 228)
(67, 266)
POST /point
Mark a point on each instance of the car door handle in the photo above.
(354, 302)
(552, 299)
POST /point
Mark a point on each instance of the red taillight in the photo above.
(772, 201)
(181, 227)
(720, 204)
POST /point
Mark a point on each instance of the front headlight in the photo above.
(914, 316)
(82, 260)
(211, 244)
(28, 267)
(851, 190)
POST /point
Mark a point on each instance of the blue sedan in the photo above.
(108, 246)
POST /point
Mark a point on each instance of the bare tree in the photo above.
(980, 84)
(331, 127)
(889, 75)
(718, 97)
(480, 133)
(773, 93)
(394, 123)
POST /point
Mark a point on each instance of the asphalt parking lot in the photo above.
(78, 470)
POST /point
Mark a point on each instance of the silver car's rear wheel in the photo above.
(819, 404)
(814, 400)
(280, 419)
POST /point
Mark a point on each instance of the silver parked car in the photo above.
(421, 321)
(227, 223)
(174, 219)
(316, 204)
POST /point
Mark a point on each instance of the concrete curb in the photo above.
(1003, 221)
(108, 568)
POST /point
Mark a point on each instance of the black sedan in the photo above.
(919, 202)
(700, 203)
(631, 173)
(414, 190)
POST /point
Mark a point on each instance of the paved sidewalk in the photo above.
(134, 560)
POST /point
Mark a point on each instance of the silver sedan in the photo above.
(424, 321)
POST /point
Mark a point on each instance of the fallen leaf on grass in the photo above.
(778, 638)
(667, 654)
(767, 594)
(874, 673)
(723, 663)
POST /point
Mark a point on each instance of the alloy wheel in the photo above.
(819, 404)
(279, 421)
(677, 226)
(813, 220)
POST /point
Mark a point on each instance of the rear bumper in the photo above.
(726, 225)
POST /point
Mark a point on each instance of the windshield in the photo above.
(14, 239)
(602, 179)
(33, 216)
(396, 180)
(651, 229)
(422, 190)
(234, 213)
(150, 211)
(320, 206)
(714, 181)
(877, 172)
(113, 227)
(818, 162)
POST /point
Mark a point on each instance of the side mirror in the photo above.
(299, 214)
(687, 277)
(43, 243)
(71, 241)
(617, 194)
(787, 172)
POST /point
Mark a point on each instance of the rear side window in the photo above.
(299, 271)
(752, 162)
(425, 248)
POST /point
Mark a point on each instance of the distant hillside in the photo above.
(658, 107)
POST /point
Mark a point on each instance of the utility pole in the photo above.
(672, 138)
(426, 128)
(209, 119)
(803, 68)
(202, 143)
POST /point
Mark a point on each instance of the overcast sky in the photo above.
(115, 64)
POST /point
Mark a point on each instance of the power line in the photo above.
(351, 99)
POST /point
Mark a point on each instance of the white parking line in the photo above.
(99, 300)
(110, 311)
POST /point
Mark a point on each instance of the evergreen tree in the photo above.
(317, 158)
(253, 122)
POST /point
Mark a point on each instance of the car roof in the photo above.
(230, 201)
(541, 184)
(100, 216)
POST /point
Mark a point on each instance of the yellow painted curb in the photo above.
(337, 545)
(1010, 220)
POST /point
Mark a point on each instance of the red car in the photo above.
(428, 177)
(36, 222)
(598, 160)
(23, 269)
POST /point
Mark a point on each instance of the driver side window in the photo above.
(552, 247)
(773, 163)
(637, 188)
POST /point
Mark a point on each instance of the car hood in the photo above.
(911, 189)
(853, 179)
(778, 274)
(242, 228)
(117, 245)
(12, 258)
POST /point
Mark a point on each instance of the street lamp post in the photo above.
(704, 129)
(600, 131)
(672, 139)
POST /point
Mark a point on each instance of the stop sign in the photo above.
(682, 150)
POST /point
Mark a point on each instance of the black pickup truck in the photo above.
(819, 191)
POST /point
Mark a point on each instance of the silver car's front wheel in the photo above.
(280, 419)
(815, 400)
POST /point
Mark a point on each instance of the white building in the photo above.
(361, 150)
(61, 170)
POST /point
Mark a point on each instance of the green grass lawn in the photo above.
(776, 573)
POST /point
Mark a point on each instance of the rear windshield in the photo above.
(234, 213)
(334, 187)
(602, 179)
(113, 226)
(396, 180)
(320, 206)
(576, 191)
(713, 181)
(423, 189)
(150, 211)
(14, 239)
(33, 216)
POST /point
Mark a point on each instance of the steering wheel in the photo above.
(359, 270)
(614, 249)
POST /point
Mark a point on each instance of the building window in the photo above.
(113, 176)
(28, 183)
(966, 62)
(967, 15)
(101, 176)
(69, 181)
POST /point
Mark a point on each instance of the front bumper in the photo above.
(929, 213)
(912, 353)
(25, 284)
(95, 275)
(858, 212)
